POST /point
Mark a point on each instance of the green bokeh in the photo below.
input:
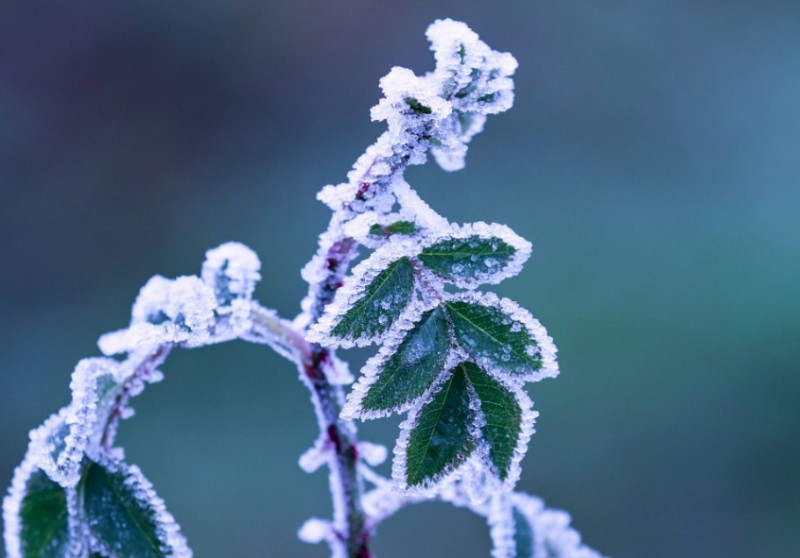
(652, 157)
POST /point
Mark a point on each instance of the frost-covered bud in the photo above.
(410, 102)
(166, 311)
(232, 270)
(151, 301)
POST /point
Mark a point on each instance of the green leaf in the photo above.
(502, 414)
(411, 370)
(476, 253)
(44, 528)
(398, 227)
(494, 339)
(380, 304)
(120, 516)
(523, 535)
(441, 438)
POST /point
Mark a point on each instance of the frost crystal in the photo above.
(12, 504)
(60, 443)
(232, 270)
(359, 313)
(166, 311)
(151, 506)
(552, 535)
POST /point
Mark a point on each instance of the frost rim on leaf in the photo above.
(484, 231)
(354, 290)
(168, 532)
(370, 372)
(545, 346)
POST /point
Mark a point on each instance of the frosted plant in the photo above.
(452, 358)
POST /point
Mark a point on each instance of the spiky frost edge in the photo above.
(173, 543)
(241, 269)
(12, 504)
(527, 421)
(80, 416)
(522, 251)
(371, 370)
(551, 527)
(501, 527)
(353, 291)
(535, 329)
(429, 487)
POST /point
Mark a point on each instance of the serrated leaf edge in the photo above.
(353, 291)
(485, 231)
(430, 486)
(526, 431)
(172, 541)
(371, 370)
(536, 330)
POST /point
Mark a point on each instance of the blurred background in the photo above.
(652, 157)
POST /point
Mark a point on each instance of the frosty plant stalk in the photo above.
(452, 358)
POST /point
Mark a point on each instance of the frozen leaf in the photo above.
(440, 438)
(502, 418)
(35, 515)
(125, 516)
(478, 253)
(232, 271)
(380, 288)
(502, 337)
(396, 380)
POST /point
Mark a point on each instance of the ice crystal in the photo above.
(12, 504)
(166, 311)
(232, 270)
(366, 299)
(59, 444)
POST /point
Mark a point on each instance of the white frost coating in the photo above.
(491, 481)
(372, 454)
(519, 318)
(166, 311)
(553, 535)
(445, 108)
(337, 371)
(172, 542)
(315, 530)
(494, 272)
(413, 205)
(347, 296)
(232, 270)
(501, 527)
(429, 487)
(371, 370)
(477, 81)
(316, 456)
(60, 443)
(12, 504)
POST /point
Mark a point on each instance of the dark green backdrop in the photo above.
(652, 158)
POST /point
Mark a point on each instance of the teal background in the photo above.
(652, 157)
